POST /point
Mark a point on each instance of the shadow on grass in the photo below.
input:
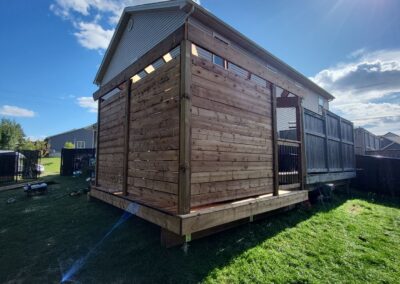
(43, 236)
(141, 259)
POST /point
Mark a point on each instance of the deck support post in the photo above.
(275, 165)
(184, 194)
(127, 91)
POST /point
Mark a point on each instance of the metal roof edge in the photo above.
(72, 130)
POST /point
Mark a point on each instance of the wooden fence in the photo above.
(378, 174)
(329, 142)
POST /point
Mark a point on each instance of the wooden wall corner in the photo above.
(184, 192)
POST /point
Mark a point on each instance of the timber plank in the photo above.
(169, 222)
(218, 215)
(200, 177)
(228, 156)
(220, 146)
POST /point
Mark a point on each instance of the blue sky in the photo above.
(51, 50)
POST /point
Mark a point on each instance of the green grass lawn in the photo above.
(353, 239)
(51, 165)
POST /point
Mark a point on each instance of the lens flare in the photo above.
(132, 209)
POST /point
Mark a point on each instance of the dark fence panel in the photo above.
(29, 164)
(19, 166)
(329, 142)
(8, 167)
(73, 160)
(379, 175)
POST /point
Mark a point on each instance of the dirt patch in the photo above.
(355, 209)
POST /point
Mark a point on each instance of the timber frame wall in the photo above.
(191, 135)
(217, 143)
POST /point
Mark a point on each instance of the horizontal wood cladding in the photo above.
(209, 42)
(153, 158)
(231, 146)
(110, 144)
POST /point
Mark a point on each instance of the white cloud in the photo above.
(367, 89)
(93, 36)
(15, 111)
(86, 15)
(88, 103)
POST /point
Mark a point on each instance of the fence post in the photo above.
(275, 165)
(341, 144)
(301, 138)
(324, 116)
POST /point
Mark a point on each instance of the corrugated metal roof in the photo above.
(149, 28)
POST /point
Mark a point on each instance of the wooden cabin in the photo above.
(199, 127)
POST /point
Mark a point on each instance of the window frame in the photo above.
(80, 142)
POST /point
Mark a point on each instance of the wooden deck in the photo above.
(205, 217)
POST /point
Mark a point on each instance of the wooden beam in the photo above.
(164, 220)
(184, 193)
(274, 141)
(97, 143)
(127, 95)
(330, 177)
(301, 138)
(289, 186)
(285, 94)
(287, 142)
(286, 102)
(215, 216)
(153, 54)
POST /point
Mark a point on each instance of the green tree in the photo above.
(69, 145)
(41, 145)
(27, 144)
(11, 134)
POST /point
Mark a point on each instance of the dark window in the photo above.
(218, 60)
